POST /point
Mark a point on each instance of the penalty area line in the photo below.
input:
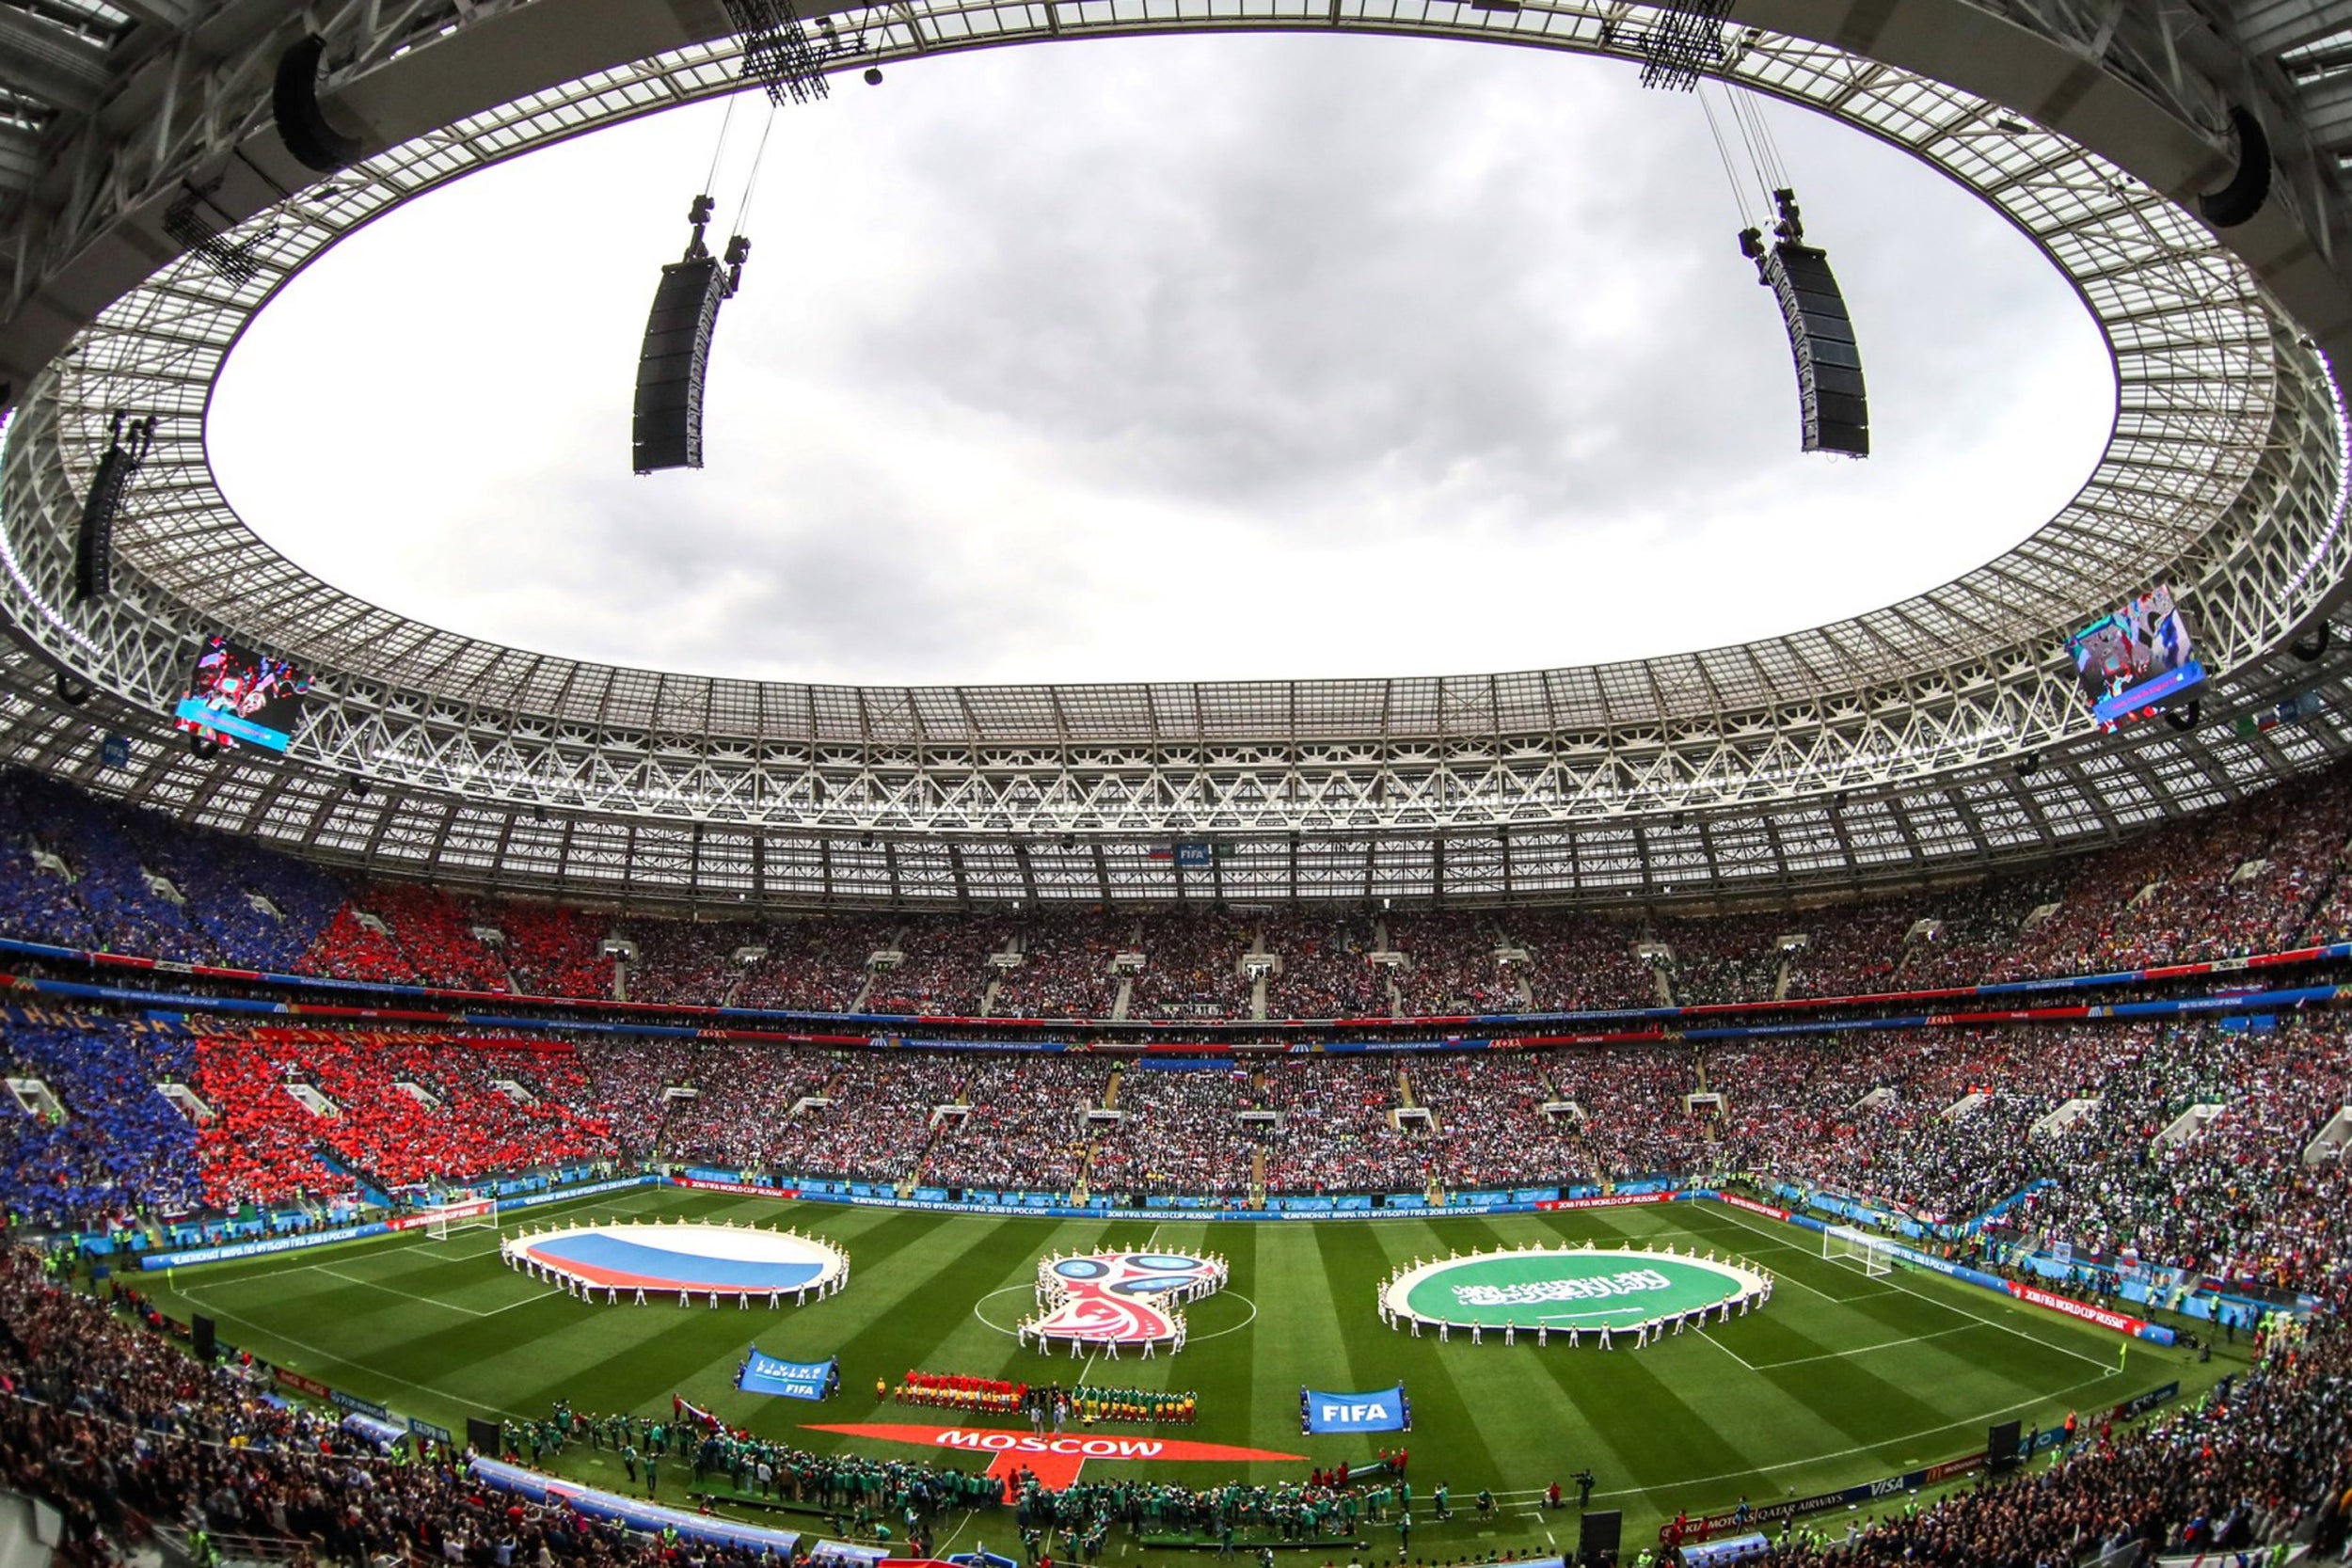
(342, 1360)
(396, 1290)
(1863, 1350)
(1736, 1218)
(1963, 1424)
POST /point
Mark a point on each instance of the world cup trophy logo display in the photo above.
(1105, 1301)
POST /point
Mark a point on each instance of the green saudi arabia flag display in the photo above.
(1562, 1289)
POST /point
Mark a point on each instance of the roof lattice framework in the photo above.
(1877, 748)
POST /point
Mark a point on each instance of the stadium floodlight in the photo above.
(1679, 48)
(195, 223)
(778, 53)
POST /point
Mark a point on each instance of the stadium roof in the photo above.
(1881, 746)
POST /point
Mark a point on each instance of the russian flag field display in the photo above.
(640, 1261)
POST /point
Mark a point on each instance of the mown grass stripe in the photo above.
(1655, 1424)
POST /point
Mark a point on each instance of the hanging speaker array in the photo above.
(667, 427)
(1833, 410)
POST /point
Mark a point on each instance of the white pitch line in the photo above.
(1862, 1350)
(342, 1360)
(1963, 1424)
(396, 1290)
(431, 1301)
(1734, 1215)
(1087, 1371)
(1728, 1351)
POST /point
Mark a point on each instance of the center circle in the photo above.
(1561, 1288)
(1247, 1317)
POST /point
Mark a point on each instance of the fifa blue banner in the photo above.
(762, 1373)
(1383, 1410)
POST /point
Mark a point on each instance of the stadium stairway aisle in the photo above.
(369, 1191)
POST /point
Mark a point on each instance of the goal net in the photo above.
(460, 1211)
(1858, 1249)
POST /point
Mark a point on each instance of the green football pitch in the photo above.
(1838, 1379)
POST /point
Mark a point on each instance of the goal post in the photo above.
(457, 1212)
(1858, 1249)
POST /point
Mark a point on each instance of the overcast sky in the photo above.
(1164, 358)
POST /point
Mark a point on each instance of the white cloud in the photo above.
(1180, 358)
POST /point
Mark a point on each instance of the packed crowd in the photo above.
(389, 1111)
(2204, 1146)
(1338, 1133)
(106, 1419)
(884, 1109)
(813, 965)
(1715, 962)
(1025, 1126)
(1192, 966)
(1453, 965)
(1065, 968)
(103, 1147)
(1492, 1125)
(2265, 1460)
(1327, 969)
(2185, 1146)
(731, 1103)
(946, 972)
(2263, 876)
(1180, 1131)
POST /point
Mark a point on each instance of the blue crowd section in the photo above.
(98, 889)
(103, 1132)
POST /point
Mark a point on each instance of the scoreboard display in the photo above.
(2138, 661)
(238, 697)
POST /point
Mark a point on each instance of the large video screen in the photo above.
(2137, 660)
(239, 697)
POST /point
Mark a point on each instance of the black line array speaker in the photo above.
(667, 432)
(482, 1436)
(1820, 338)
(2000, 1446)
(203, 1337)
(293, 104)
(2250, 183)
(94, 545)
(1599, 1534)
